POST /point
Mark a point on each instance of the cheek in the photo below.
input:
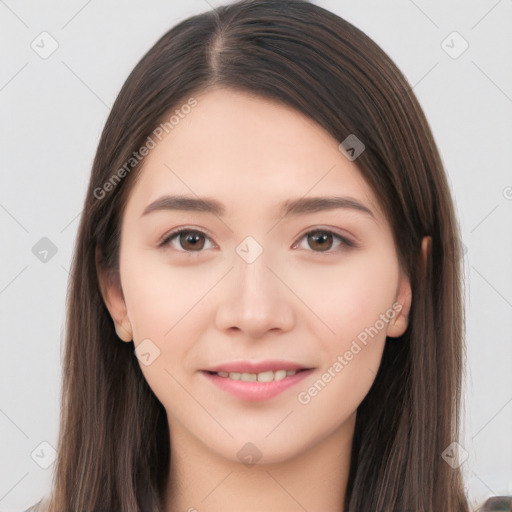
(355, 302)
(160, 296)
(350, 296)
(163, 305)
(166, 305)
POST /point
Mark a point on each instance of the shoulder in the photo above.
(496, 503)
(41, 506)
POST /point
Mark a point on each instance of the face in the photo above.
(298, 300)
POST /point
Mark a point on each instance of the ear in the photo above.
(111, 291)
(402, 306)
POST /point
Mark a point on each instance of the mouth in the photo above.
(256, 381)
(267, 376)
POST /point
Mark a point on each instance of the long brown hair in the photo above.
(113, 449)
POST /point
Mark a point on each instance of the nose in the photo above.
(256, 299)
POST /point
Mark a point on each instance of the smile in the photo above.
(268, 376)
(253, 387)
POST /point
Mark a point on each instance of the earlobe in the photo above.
(402, 305)
(124, 333)
(426, 243)
(112, 294)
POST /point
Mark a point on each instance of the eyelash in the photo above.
(167, 238)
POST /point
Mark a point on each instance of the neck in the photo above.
(315, 480)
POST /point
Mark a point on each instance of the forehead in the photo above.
(250, 153)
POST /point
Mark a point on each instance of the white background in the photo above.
(52, 113)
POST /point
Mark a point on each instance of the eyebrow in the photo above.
(290, 207)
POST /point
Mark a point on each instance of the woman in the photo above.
(217, 356)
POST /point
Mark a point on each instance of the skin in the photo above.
(299, 304)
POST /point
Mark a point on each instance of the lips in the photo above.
(250, 367)
(265, 380)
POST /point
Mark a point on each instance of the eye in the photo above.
(322, 239)
(190, 240)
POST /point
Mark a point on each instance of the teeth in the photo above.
(268, 376)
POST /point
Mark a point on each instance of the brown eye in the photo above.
(322, 240)
(189, 240)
